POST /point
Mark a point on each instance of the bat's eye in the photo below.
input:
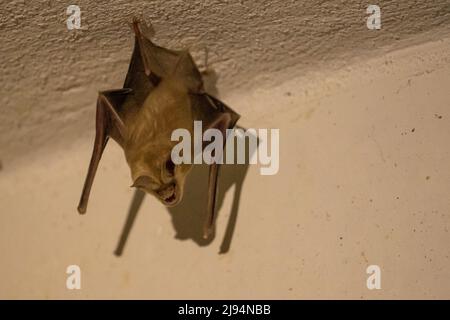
(170, 167)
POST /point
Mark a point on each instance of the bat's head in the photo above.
(154, 172)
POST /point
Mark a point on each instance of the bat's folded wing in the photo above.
(108, 123)
(214, 114)
(208, 109)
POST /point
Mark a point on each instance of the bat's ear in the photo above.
(142, 181)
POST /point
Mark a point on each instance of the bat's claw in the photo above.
(140, 28)
(136, 29)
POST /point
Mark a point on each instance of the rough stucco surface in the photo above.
(364, 174)
(50, 76)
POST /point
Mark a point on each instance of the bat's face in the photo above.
(155, 173)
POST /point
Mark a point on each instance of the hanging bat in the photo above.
(163, 91)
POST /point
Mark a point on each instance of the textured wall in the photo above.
(50, 76)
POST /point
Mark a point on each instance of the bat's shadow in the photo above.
(189, 216)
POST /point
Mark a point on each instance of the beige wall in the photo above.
(356, 185)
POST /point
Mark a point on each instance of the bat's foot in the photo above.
(141, 28)
(136, 29)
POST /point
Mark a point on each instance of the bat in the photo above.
(163, 91)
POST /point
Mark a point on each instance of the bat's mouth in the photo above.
(170, 200)
(169, 195)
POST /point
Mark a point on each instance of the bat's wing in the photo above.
(159, 62)
(224, 109)
(108, 123)
(111, 109)
(214, 114)
(208, 109)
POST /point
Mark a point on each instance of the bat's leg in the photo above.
(107, 118)
(225, 121)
